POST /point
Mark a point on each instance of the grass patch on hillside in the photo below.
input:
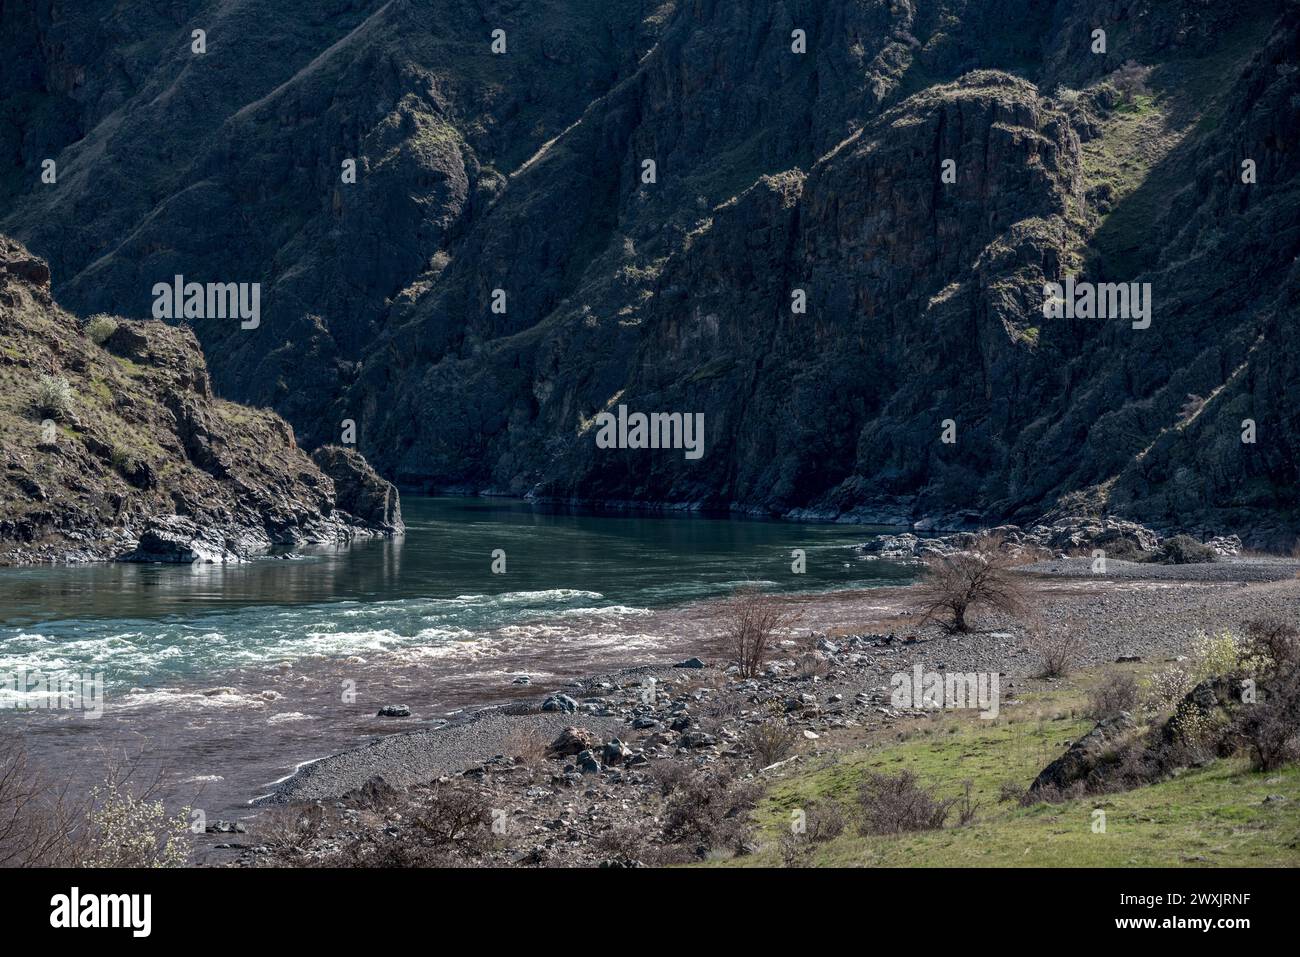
(1210, 816)
(1127, 162)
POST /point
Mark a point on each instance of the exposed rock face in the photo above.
(1086, 760)
(170, 538)
(775, 171)
(359, 490)
(1111, 758)
(138, 460)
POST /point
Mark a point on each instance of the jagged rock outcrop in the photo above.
(1115, 755)
(775, 171)
(120, 450)
(1086, 761)
(359, 490)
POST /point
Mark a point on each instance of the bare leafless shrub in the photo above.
(119, 823)
(528, 746)
(1271, 728)
(446, 824)
(954, 586)
(966, 805)
(34, 819)
(626, 841)
(810, 665)
(770, 741)
(380, 851)
(753, 619)
(1010, 791)
(453, 813)
(669, 775)
(1116, 691)
(808, 660)
(1058, 647)
(288, 831)
(823, 821)
(710, 811)
(826, 821)
(725, 707)
(893, 804)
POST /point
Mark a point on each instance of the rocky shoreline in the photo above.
(577, 776)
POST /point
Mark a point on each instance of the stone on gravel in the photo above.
(573, 741)
(698, 739)
(560, 702)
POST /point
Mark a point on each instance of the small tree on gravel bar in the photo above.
(753, 619)
(954, 586)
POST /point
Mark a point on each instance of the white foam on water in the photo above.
(211, 698)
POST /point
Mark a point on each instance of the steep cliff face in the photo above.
(519, 181)
(113, 446)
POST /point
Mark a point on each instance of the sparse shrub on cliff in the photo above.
(954, 586)
(54, 397)
(100, 327)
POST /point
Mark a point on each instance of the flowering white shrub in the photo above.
(125, 831)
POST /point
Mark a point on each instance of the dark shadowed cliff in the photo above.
(112, 445)
(774, 171)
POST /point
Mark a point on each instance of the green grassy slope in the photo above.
(1210, 816)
